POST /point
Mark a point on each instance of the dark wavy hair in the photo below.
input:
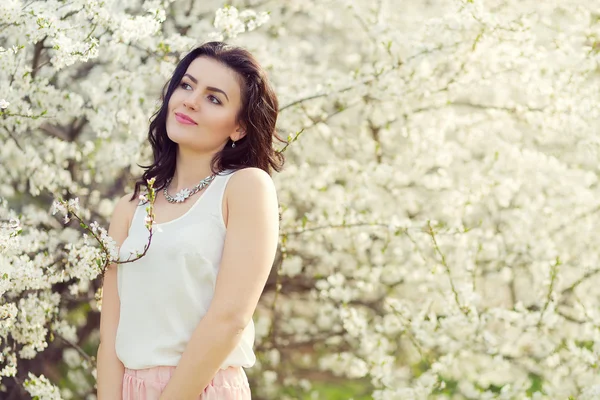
(258, 115)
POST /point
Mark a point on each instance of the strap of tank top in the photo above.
(218, 194)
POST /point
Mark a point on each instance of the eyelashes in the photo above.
(183, 85)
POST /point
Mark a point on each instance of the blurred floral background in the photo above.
(439, 201)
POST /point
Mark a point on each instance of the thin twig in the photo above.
(88, 358)
(447, 268)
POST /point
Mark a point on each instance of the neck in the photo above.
(190, 168)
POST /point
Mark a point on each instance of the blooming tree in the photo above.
(438, 202)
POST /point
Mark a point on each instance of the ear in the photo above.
(240, 132)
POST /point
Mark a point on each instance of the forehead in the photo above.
(210, 72)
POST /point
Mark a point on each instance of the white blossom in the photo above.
(40, 387)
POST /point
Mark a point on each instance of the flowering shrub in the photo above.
(439, 201)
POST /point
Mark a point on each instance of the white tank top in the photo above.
(165, 294)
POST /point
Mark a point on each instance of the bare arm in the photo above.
(109, 368)
(248, 254)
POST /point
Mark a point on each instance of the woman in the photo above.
(177, 323)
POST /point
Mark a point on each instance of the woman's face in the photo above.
(203, 107)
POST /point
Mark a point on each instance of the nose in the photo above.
(191, 102)
(190, 105)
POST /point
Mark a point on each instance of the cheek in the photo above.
(176, 98)
(172, 102)
(224, 118)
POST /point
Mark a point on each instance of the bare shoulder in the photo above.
(125, 205)
(123, 212)
(250, 188)
(251, 180)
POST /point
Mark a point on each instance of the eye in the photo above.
(183, 85)
(218, 101)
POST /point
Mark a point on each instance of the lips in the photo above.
(184, 119)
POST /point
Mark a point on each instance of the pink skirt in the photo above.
(147, 384)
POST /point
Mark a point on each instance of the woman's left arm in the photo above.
(248, 255)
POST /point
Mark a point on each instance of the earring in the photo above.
(232, 144)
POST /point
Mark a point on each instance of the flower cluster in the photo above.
(229, 22)
(41, 388)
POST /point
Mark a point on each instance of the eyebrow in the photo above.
(212, 89)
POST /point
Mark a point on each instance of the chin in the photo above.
(178, 133)
(186, 140)
(173, 135)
